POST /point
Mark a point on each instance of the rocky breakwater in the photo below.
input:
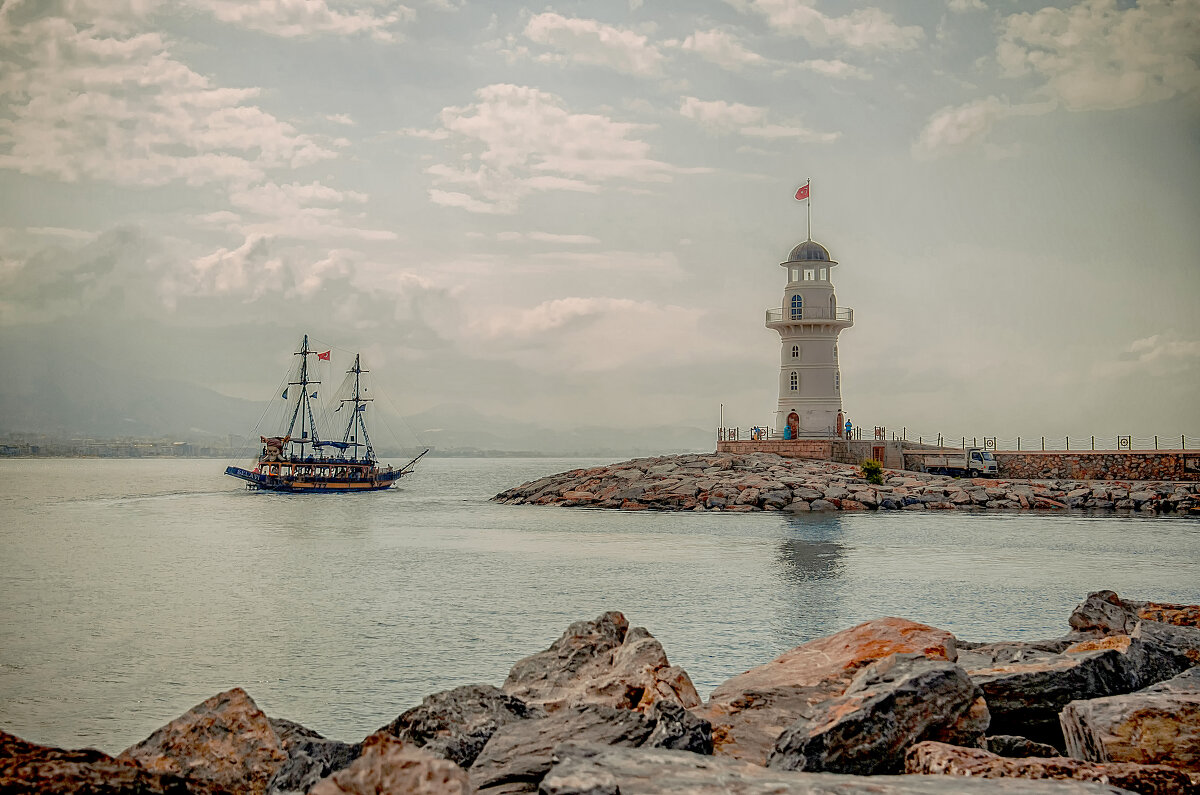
(888, 706)
(768, 482)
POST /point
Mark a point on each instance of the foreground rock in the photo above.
(890, 705)
(1105, 613)
(388, 765)
(591, 770)
(27, 768)
(226, 741)
(750, 711)
(768, 482)
(1158, 725)
(601, 662)
(310, 757)
(457, 723)
(951, 760)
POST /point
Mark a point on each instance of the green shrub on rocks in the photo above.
(872, 470)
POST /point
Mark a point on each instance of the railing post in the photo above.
(1018, 444)
(904, 433)
(1043, 444)
(1182, 442)
(1156, 441)
(1068, 438)
(1093, 442)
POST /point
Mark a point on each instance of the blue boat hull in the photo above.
(309, 485)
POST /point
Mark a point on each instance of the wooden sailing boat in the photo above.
(300, 461)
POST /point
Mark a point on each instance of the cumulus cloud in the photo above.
(519, 140)
(835, 68)
(959, 6)
(863, 28)
(1157, 355)
(296, 18)
(94, 101)
(1098, 55)
(957, 128)
(313, 211)
(588, 41)
(721, 48)
(748, 120)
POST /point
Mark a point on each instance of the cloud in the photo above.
(340, 118)
(588, 41)
(519, 140)
(313, 211)
(297, 18)
(957, 128)
(1096, 55)
(835, 68)
(959, 6)
(1158, 355)
(548, 237)
(863, 28)
(748, 120)
(95, 101)
(721, 48)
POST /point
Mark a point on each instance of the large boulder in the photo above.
(225, 740)
(388, 765)
(520, 753)
(976, 763)
(457, 723)
(751, 710)
(591, 770)
(1017, 747)
(30, 769)
(311, 757)
(1158, 725)
(1026, 687)
(891, 704)
(601, 662)
(1105, 613)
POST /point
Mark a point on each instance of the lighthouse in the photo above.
(809, 321)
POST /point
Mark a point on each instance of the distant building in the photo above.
(809, 321)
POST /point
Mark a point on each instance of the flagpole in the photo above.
(808, 184)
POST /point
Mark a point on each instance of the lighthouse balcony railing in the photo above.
(778, 315)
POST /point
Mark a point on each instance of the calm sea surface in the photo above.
(130, 590)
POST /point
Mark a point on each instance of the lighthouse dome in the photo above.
(809, 251)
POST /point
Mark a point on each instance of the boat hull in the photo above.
(309, 485)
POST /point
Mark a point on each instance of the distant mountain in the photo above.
(52, 388)
(57, 389)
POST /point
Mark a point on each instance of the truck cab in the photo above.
(981, 463)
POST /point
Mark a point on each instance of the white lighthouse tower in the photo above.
(809, 321)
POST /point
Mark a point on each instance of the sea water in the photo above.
(131, 590)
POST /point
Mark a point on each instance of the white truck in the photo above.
(971, 462)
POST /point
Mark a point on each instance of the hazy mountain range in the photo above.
(65, 391)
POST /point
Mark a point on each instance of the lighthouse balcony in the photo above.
(816, 314)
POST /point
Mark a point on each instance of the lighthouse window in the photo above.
(837, 380)
(824, 274)
(809, 274)
(795, 351)
(795, 381)
(795, 274)
(797, 307)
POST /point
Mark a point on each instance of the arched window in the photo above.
(795, 381)
(795, 351)
(797, 307)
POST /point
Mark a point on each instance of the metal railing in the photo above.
(1064, 443)
(841, 315)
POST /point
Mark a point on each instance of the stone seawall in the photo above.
(1178, 465)
(768, 482)
(811, 449)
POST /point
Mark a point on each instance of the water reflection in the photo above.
(810, 566)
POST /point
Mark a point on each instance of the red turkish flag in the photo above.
(802, 194)
(323, 356)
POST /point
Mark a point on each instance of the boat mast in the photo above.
(357, 421)
(303, 411)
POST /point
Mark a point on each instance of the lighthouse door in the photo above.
(793, 422)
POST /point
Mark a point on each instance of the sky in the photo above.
(573, 213)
